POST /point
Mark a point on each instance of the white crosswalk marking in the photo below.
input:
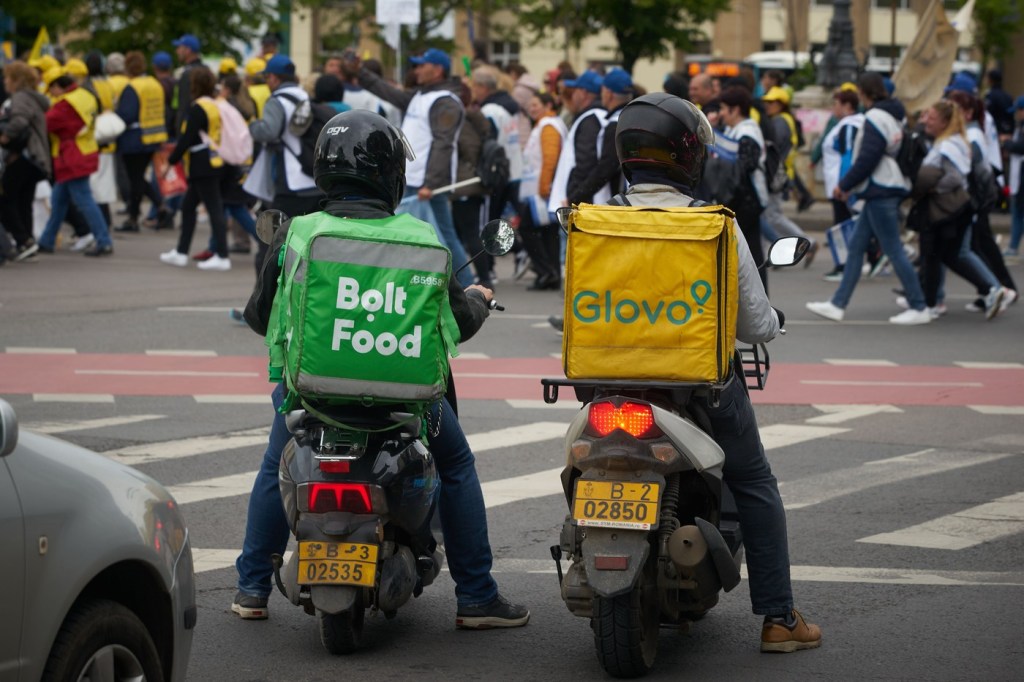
(215, 559)
(135, 455)
(525, 487)
(73, 397)
(541, 405)
(812, 490)
(997, 409)
(782, 435)
(990, 365)
(536, 432)
(837, 414)
(88, 424)
(967, 528)
(213, 488)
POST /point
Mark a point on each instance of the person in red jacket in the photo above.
(70, 123)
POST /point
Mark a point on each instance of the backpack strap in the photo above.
(619, 200)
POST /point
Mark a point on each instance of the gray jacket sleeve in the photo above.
(756, 321)
(268, 129)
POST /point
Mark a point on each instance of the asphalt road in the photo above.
(906, 514)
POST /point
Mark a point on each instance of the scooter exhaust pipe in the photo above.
(687, 547)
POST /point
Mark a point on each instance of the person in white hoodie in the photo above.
(942, 182)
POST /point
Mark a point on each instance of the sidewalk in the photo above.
(818, 217)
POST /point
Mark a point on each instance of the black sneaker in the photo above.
(500, 613)
(98, 250)
(557, 323)
(250, 607)
(127, 227)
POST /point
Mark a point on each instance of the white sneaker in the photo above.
(84, 242)
(172, 257)
(993, 301)
(909, 317)
(938, 311)
(827, 310)
(902, 302)
(1009, 298)
(215, 262)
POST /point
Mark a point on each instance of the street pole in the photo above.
(839, 61)
(892, 41)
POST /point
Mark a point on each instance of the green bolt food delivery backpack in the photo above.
(361, 315)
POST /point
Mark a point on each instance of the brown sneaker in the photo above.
(777, 638)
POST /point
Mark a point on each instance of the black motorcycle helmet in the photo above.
(361, 148)
(666, 134)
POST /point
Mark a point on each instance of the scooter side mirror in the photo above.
(267, 223)
(788, 251)
(497, 237)
(562, 215)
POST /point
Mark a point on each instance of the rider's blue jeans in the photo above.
(463, 517)
(762, 516)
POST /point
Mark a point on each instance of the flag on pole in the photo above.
(42, 40)
(927, 64)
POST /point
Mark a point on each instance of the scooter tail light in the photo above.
(346, 497)
(636, 419)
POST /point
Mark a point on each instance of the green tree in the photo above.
(643, 29)
(996, 24)
(148, 25)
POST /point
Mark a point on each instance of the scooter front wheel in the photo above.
(342, 632)
(626, 629)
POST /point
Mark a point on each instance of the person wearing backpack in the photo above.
(366, 182)
(661, 142)
(979, 245)
(876, 178)
(433, 116)
(280, 166)
(204, 169)
(141, 107)
(780, 129)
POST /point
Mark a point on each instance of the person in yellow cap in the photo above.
(259, 91)
(70, 124)
(76, 68)
(228, 65)
(43, 64)
(780, 129)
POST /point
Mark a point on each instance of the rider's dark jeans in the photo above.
(463, 517)
(762, 516)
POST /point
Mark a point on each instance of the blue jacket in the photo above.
(871, 152)
(130, 141)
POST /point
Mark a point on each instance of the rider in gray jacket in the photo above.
(662, 144)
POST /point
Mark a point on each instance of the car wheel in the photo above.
(103, 641)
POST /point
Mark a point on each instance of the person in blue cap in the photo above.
(1015, 147)
(616, 92)
(580, 154)
(187, 49)
(433, 116)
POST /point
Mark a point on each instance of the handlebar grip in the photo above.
(782, 316)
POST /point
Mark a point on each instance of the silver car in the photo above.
(96, 579)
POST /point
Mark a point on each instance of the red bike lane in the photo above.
(500, 379)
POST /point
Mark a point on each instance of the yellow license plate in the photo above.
(608, 504)
(337, 563)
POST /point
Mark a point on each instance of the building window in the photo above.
(504, 52)
(771, 47)
(887, 4)
(886, 51)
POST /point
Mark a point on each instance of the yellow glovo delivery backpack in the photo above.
(651, 293)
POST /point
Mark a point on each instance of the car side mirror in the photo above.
(8, 428)
(267, 223)
(562, 215)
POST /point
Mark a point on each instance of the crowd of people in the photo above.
(103, 128)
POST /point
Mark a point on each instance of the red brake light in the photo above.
(347, 497)
(636, 419)
(334, 466)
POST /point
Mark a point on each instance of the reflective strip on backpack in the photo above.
(379, 255)
(309, 385)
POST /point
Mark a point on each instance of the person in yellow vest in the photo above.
(75, 153)
(782, 129)
(115, 68)
(142, 108)
(204, 169)
(104, 181)
(259, 91)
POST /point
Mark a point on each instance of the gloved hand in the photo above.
(782, 316)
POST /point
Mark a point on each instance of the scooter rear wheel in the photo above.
(626, 630)
(342, 632)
